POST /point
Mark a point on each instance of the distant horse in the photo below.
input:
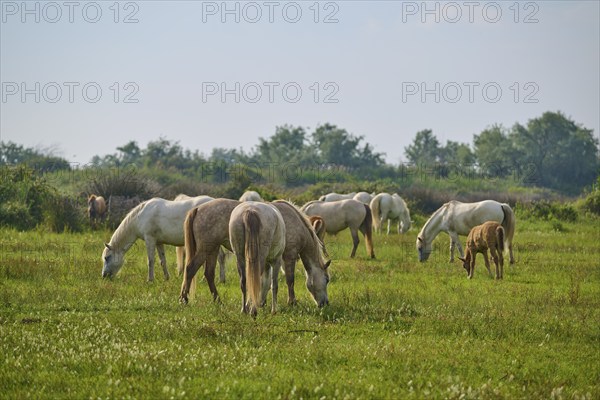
(339, 215)
(391, 208)
(302, 240)
(96, 208)
(157, 221)
(251, 195)
(364, 197)
(336, 196)
(206, 229)
(489, 235)
(456, 218)
(180, 250)
(257, 236)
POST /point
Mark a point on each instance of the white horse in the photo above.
(339, 215)
(251, 195)
(456, 218)
(158, 222)
(257, 236)
(336, 196)
(391, 208)
(364, 197)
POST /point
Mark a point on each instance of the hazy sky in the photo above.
(383, 69)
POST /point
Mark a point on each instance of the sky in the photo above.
(86, 77)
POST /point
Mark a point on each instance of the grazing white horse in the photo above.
(257, 236)
(456, 218)
(251, 195)
(391, 208)
(336, 196)
(364, 197)
(339, 215)
(156, 221)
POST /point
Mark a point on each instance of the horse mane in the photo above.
(435, 214)
(307, 224)
(309, 203)
(121, 231)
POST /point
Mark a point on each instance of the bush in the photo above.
(23, 197)
(63, 213)
(591, 202)
(546, 211)
(127, 182)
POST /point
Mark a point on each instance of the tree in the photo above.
(494, 151)
(336, 146)
(564, 154)
(424, 150)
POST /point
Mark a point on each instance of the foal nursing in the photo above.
(489, 235)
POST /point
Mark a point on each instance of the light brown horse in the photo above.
(96, 208)
(206, 229)
(257, 236)
(302, 240)
(489, 235)
(342, 214)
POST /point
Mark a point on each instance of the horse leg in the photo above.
(472, 266)
(355, 241)
(487, 261)
(209, 272)
(290, 266)
(494, 253)
(190, 270)
(455, 242)
(241, 266)
(150, 248)
(501, 260)
(265, 282)
(275, 283)
(163, 260)
(510, 252)
(388, 227)
(221, 259)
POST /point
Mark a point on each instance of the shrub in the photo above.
(127, 182)
(545, 210)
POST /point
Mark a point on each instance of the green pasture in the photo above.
(395, 328)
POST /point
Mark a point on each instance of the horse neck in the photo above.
(432, 227)
(125, 235)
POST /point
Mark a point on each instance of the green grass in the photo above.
(395, 328)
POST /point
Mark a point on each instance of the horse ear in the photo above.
(327, 264)
(107, 246)
(419, 239)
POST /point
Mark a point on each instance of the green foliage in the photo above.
(23, 195)
(127, 182)
(12, 154)
(591, 201)
(546, 211)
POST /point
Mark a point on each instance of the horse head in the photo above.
(112, 260)
(317, 284)
(424, 249)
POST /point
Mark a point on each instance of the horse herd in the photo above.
(267, 236)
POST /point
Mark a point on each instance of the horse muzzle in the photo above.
(324, 303)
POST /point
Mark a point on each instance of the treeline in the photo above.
(550, 151)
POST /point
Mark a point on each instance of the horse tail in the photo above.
(366, 227)
(190, 247)
(375, 208)
(318, 225)
(508, 224)
(252, 224)
(500, 238)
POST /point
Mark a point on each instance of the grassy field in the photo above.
(395, 328)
